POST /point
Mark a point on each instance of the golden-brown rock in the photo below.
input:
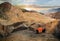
(11, 14)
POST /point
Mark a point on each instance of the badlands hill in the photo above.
(10, 14)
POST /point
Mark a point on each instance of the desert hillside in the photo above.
(13, 19)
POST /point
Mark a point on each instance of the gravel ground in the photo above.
(27, 35)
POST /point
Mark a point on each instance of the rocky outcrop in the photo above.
(10, 15)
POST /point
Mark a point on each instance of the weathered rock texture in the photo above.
(56, 15)
(11, 14)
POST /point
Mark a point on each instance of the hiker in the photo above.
(40, 30)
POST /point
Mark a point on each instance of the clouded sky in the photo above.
(37, 2)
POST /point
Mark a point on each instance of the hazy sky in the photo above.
(38, 2)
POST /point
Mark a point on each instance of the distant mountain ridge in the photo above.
(54, 13)
(54, 10)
